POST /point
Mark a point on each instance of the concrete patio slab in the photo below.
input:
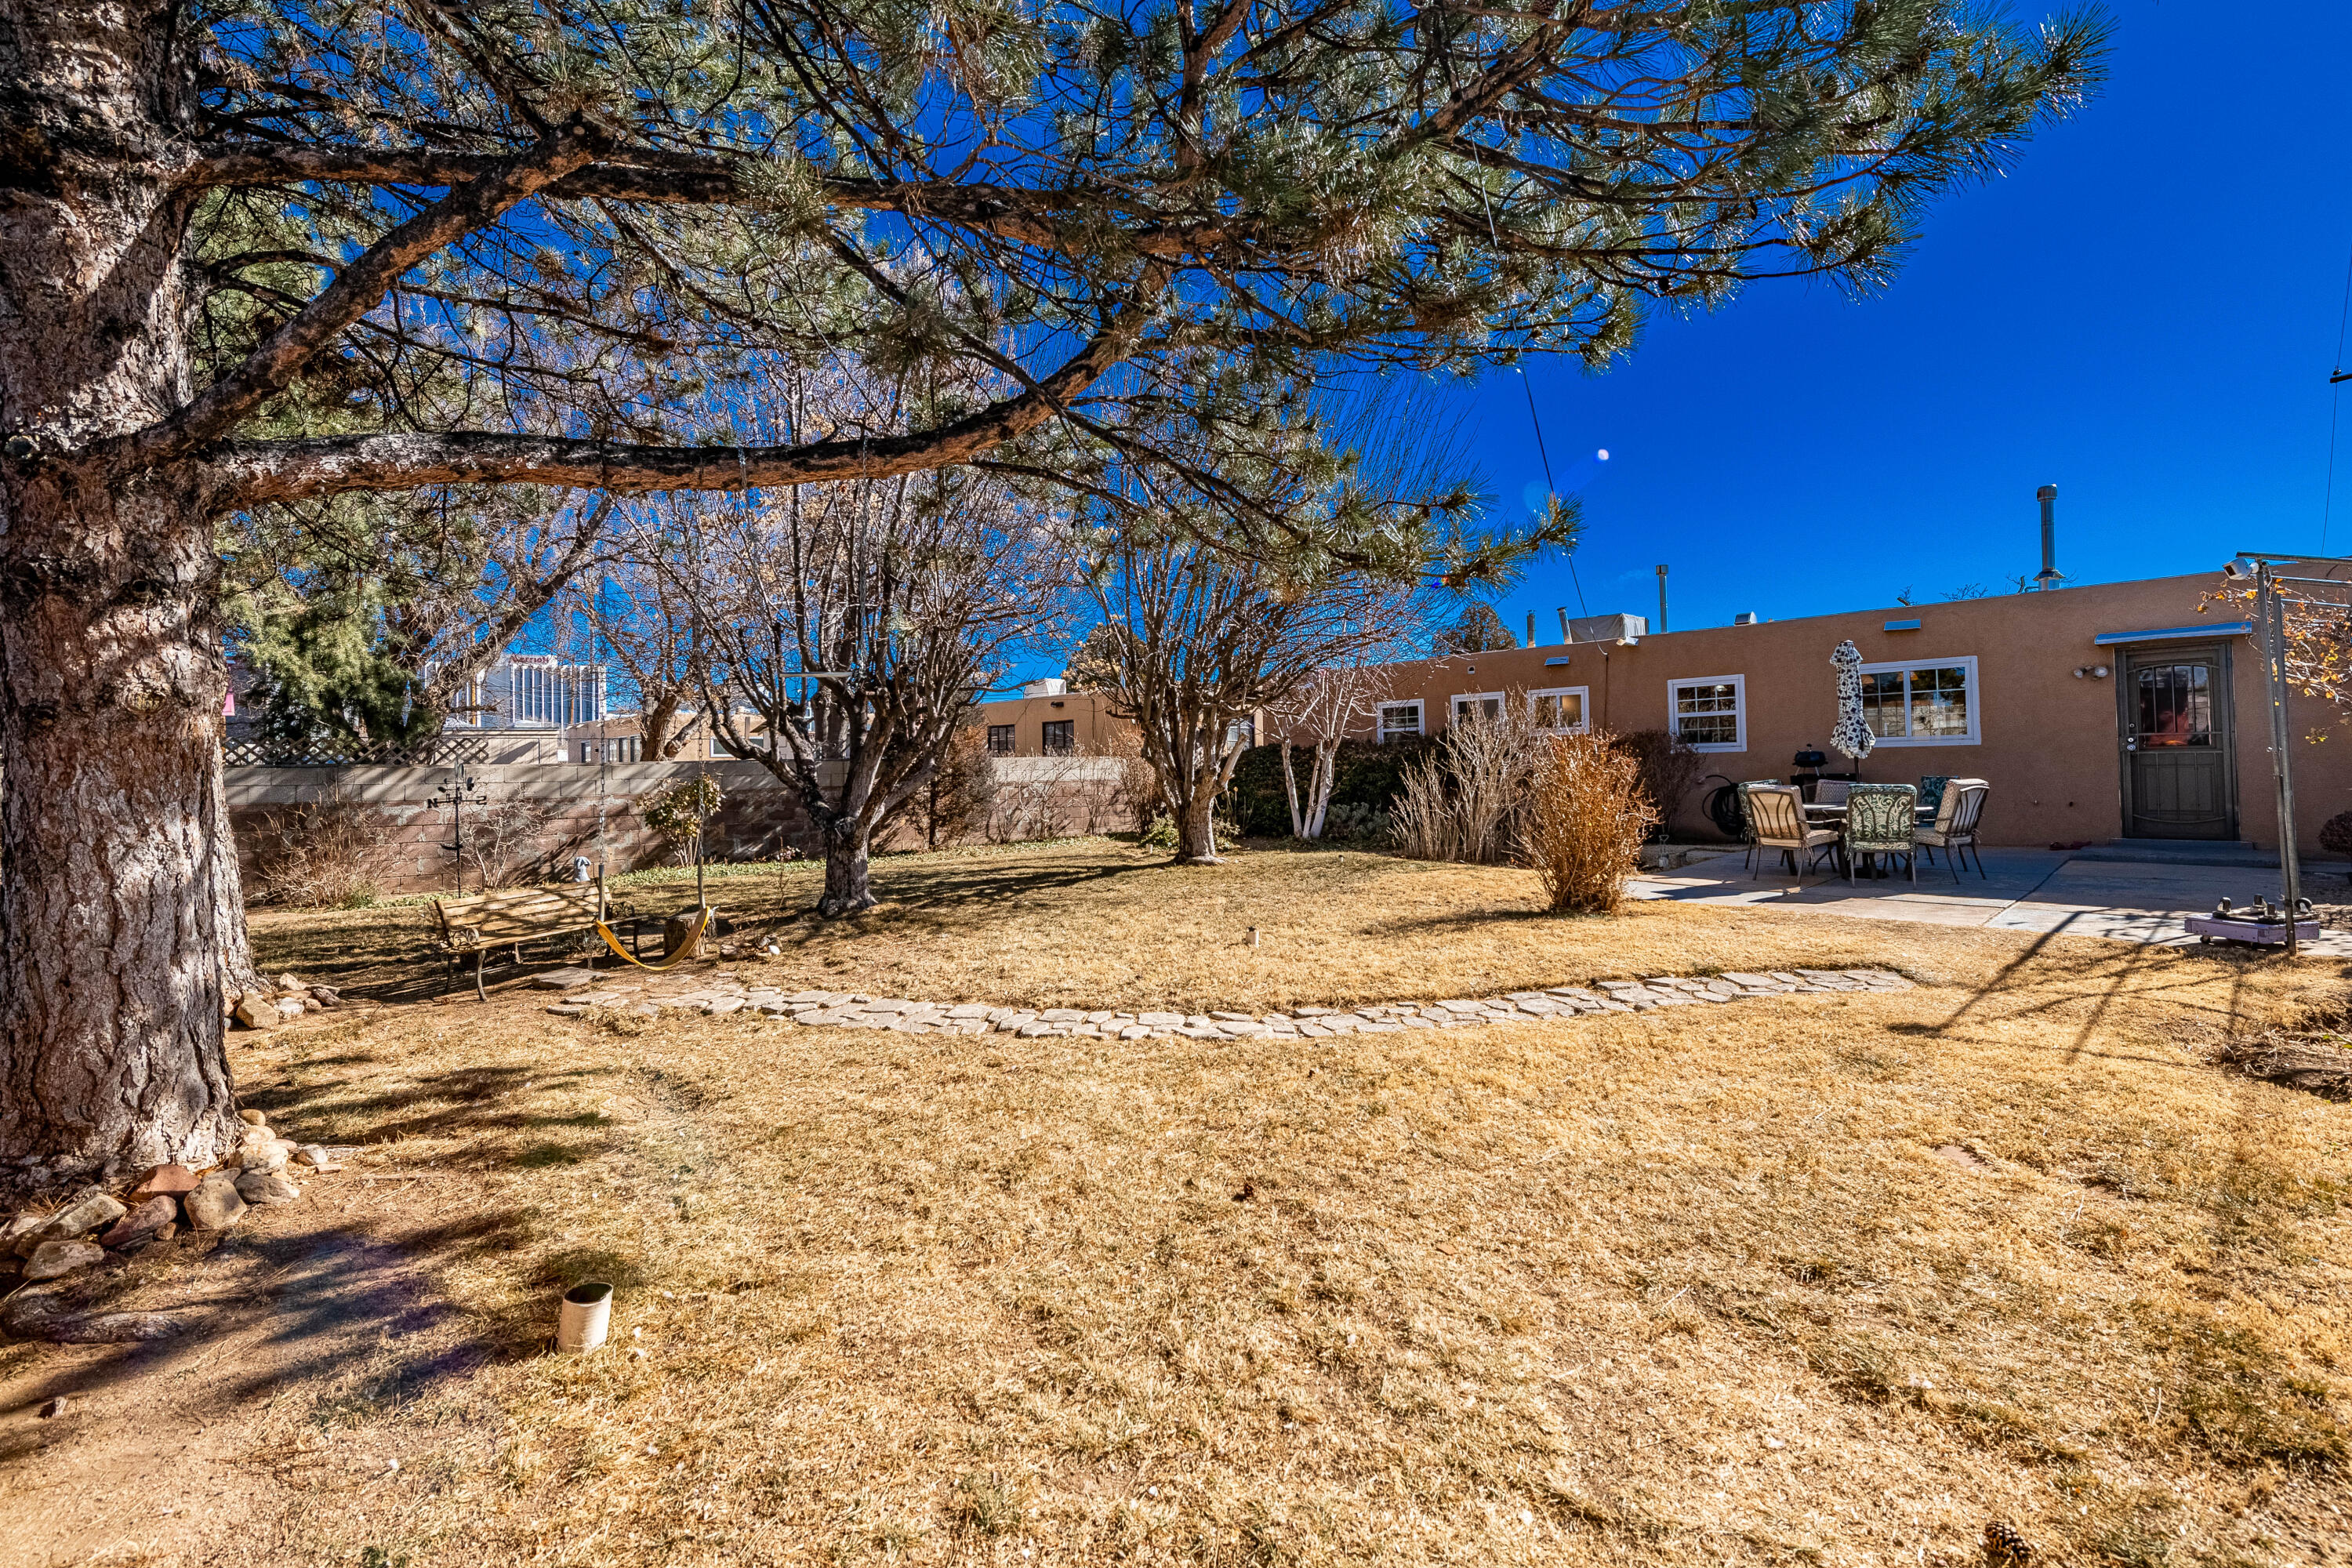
(2020, 890)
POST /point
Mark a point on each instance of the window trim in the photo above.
(1583, 695)
(1739, 684)
(1967, 661)
(1380, 733)
(1502, 700)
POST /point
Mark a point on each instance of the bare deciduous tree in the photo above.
(1325, 709)
(1202, 644)
(643, 624)
(848, 630)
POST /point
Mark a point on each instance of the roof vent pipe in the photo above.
(2048, 578)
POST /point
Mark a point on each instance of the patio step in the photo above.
(2180, 852)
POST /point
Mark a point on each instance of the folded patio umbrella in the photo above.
(1852, 734)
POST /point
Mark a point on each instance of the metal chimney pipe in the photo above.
(1564, 635)
(1662, 597)
(1531, 628)
(2048, 578)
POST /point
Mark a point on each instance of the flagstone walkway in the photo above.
(722, 992)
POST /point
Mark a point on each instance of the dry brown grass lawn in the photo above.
(1098, 922)
(1690, 1287)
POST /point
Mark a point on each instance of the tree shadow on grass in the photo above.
(300, 1296)
(468, 1101)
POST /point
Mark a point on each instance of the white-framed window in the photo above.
(1922, 703)
(1710, 712)
(1560, 709)
(1485, 705)
(1400, 721)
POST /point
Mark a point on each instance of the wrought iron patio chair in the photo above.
(1957, 823)
(1778, 812)
(1882, 821)
(1831, 792)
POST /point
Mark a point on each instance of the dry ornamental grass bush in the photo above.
(1586, 819)
(323, 853)
(1464, 800)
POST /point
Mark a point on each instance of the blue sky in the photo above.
(2143, 312)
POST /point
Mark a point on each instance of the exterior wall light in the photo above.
(2095, 672)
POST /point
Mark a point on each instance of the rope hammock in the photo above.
(686, 950)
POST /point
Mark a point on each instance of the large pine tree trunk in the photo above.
(115, 896)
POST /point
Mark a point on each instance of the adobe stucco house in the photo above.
(1048, 720)
(2114, 711)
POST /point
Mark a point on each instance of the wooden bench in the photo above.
(507, 917)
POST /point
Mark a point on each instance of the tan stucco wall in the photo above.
(1087, 711)
(2048, 741)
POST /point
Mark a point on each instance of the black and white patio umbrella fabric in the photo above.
(1852, 734)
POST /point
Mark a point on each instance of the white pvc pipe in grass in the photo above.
(587, 1313)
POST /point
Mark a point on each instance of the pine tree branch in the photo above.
(246, 473)
(1045, 218)
(356, 291)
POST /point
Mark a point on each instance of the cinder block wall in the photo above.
(758, 817)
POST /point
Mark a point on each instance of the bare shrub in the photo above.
(955, 804)
(1021, 808)
(506, 840)
(1668, 768)
(1587, 814)
(1109, 799)
(1464, 800)
(327, 852)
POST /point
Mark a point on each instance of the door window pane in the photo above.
(2176, 704)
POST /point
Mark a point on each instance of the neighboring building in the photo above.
(2114, 711)
(1048, 720)
(620, 737)
(532, 691)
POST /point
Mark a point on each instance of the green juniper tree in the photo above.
(368, 619)
(1478, 630)
(519, 243)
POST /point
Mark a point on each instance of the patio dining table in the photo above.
(1819, 814)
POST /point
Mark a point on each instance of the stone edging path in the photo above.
(724, 992)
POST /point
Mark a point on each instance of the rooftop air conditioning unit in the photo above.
(1744, 618)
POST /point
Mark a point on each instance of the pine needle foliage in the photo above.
(1135, 219)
